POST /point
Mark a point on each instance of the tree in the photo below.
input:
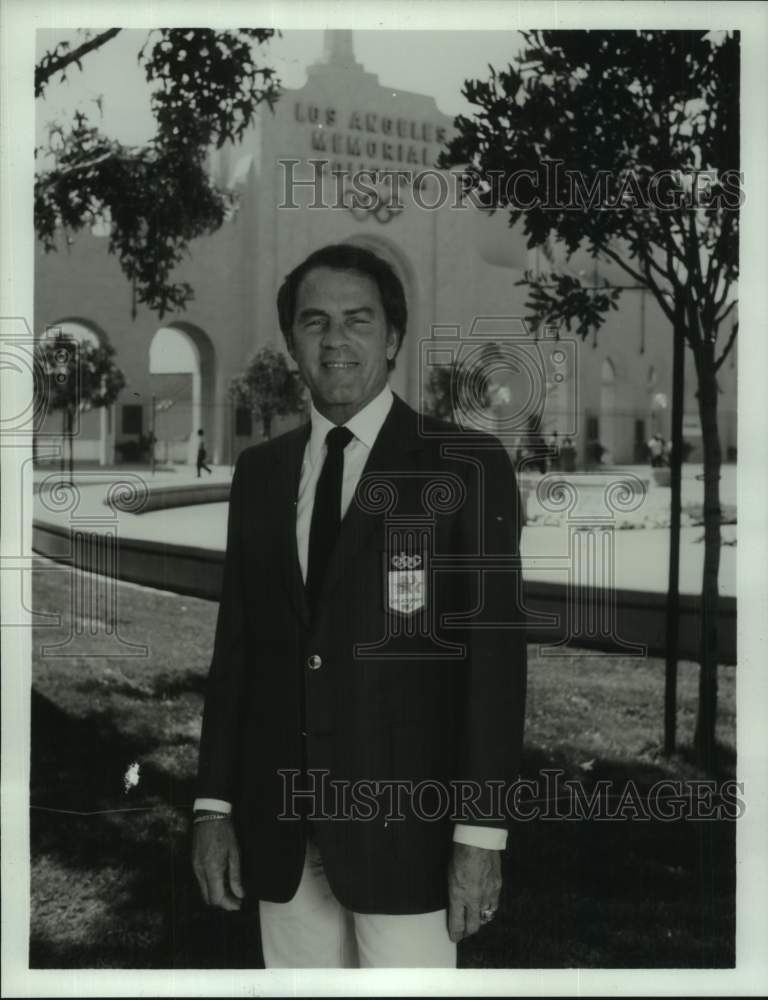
(625, 144)
(158, 197)
(75, 376)
(269, 388)
(464, 387)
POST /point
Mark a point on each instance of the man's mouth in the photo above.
(339, 364)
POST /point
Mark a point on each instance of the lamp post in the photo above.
(658, 404)
(158, 406)
(152, 432)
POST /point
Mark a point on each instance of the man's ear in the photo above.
(393, 341)
(289, 345)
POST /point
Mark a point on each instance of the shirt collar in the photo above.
(365, 425)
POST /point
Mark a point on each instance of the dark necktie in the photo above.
(326, 513)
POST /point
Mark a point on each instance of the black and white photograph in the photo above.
(383, 499)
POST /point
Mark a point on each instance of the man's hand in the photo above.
(474, 884)
(216, 861)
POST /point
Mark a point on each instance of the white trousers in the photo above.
(313, 930)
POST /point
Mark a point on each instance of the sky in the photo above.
(427, 62)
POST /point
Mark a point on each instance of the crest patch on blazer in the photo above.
(406, 587)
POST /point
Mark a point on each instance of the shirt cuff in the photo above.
(491, 838)
(215, 805)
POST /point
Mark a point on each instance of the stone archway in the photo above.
(182, 373)
(94, 437)
(405, 379)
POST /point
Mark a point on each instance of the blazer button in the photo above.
(314, 662)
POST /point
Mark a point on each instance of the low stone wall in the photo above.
(183, 495)
(181, 569)
(640, 618)
(640, 621)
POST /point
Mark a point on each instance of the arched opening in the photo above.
(607, 426)
(405, 379)
(94, 433)
(181, 370)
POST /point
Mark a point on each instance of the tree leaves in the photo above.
(629, 114)
(76, 375)
(465, 385)
(657, 107)
(159, 197)
(563, 300)
(269, 387)
(210, 85)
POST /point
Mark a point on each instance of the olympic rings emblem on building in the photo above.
(383, 208)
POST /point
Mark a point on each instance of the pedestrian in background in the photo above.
(201, 454)
(656, 450)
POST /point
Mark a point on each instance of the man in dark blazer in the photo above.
(364, 710)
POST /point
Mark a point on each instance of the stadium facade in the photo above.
(460, 267)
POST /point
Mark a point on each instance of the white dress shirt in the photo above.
(365, 426)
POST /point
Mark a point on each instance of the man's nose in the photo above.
(335, 335)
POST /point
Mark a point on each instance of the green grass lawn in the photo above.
(111, 880)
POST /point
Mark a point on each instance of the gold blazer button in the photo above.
(314, 662)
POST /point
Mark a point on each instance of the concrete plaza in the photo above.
(640, 537)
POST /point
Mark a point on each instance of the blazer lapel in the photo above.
(392, 452)
(285, 489)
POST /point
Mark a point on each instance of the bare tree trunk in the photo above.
(673, 587)
(704, 740)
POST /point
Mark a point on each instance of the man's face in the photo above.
(341, 341)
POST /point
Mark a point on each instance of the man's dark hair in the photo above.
(347, 257)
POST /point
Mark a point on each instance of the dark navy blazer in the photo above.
(403, 699)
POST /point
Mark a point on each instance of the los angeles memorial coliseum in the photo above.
(460, 268)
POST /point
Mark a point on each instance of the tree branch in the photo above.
(656, 290)
(730, 343)
(674, 253)
(49, 64)
(645, 280)
(689, 304)
(714, 268)
(622, 263)
(651, 263)
(126, 154)
(73, 168)
(695, 252)
(719, 319)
